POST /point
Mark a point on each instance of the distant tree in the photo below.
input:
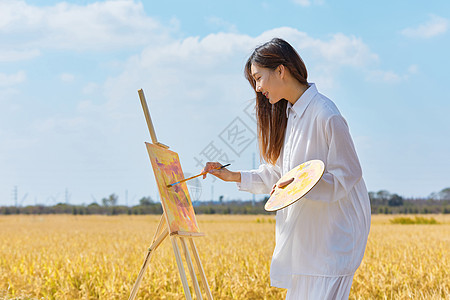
(110, 201)
(395, 200)
(383, 196)
(444, 194)
(221, 199)
(113, 198)
(94, 208)
(145, 201)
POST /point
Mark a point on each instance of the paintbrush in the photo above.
(203, 173)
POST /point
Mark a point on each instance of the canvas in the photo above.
(175, 200)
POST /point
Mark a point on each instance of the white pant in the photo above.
(319, 288)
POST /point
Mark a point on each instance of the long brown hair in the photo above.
(272, 118)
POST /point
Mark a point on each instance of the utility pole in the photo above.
(15, 195)
(126, 197)
(67, 196)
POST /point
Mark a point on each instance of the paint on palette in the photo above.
(305, 176)
(175, 200)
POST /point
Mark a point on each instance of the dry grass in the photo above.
(98, 257)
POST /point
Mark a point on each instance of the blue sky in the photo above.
(71, 122)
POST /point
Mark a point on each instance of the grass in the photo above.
(416, 220)
(99, 257)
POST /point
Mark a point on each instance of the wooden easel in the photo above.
(162, 232)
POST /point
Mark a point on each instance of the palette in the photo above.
(305, 175)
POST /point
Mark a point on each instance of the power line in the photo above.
(67, 196)
(15, 195)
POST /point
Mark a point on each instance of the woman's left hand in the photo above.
(282, 185)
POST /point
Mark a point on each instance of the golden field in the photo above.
(99, 257)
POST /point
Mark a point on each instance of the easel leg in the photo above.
(191, 268)
(153, 247)
(187, 292)
(160, 225)
(200, 269)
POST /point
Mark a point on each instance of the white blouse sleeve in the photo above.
(259, 181)
(342, 169)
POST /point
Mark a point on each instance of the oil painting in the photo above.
(175, 200)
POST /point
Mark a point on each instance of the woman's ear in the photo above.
(281, 71)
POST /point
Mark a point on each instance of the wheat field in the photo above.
(99, 257)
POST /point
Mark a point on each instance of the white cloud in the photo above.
(307, 2)
(302, 2)
(6, 94)
(413, 69)
(195, 74)
(214, 53)
(86, 106)
(67, 77)
(221, 24)
(345, 50)
(435, 26)
(96, 26)
(60, 124)
(325, 57)
(391, 76)
(17, 55)
(385, 76)
(265, 5)
(119, 24)
(226, 53)
(13, 79)
(89, 88)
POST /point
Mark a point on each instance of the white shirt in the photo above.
(325, 233)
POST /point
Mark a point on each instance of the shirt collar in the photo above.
(302, 103)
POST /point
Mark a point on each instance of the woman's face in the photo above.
(268, 82)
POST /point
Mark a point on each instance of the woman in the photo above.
(320, 240)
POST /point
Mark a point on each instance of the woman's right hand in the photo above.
(224, 173)
(273, 189)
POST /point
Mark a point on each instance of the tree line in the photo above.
(145, 207)
(382, 202)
